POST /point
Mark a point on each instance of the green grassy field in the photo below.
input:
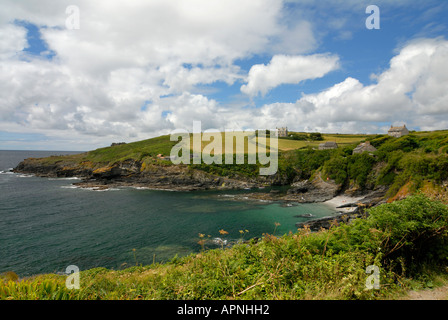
(341, 140)
(283, 144)
(134, 150)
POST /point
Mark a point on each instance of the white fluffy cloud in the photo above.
(12, 41)
(412, 90)
(288, 70)
(127, 64)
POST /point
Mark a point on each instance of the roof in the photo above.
(366, 146)
(329, 144)
(397, 129)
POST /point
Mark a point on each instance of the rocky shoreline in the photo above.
(349, 204)
(131, 173)
(349, 208)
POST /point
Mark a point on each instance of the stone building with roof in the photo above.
(398, 132)
(364, 147)
(328, 145)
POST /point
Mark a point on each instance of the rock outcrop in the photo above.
(131, 173)
(316, 190)
(374, 198)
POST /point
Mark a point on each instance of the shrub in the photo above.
(414, 230)
(405, 143)
(336, 168)
(299, 136)
(316, 136)
(359, 167)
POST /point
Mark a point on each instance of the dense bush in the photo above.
(413, 231)
(316, 136)
(299, 136)
(336, 169)
(359, 167)
(230, 170)
(405, 143)
(306, 162)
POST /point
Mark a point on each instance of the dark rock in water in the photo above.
(328, 222)
(289, 204)
(347, 205)
(219, 241)
(304, 215)
(317, 224)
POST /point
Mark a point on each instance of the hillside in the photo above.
(400, 165)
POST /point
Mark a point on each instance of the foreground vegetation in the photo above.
(406, 239)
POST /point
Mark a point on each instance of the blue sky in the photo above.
(133, 72)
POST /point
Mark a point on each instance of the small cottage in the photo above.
(364, 147)
(328, 145)
(398, 132)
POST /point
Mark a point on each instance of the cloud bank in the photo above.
(412, 90)
(141, 69)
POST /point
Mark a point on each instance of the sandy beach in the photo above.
(341, 200)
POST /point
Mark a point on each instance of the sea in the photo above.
(48, 224)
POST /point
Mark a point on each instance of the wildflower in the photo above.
(276, 225)
(222, 231)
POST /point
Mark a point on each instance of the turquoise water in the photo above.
(48, 224)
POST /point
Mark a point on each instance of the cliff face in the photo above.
(53, 169)
(134, 173)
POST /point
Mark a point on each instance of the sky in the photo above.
(79, 75)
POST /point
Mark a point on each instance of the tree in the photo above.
(316, 136)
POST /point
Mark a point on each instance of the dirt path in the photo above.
(440, 293)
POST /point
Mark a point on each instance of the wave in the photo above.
(97, 189)
(6, 172)
(25, 175)
(67, 178)
(70, 187)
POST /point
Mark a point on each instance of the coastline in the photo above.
(346, 204)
